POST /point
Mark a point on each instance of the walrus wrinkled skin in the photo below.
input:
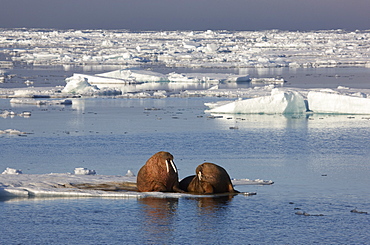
(209, 179)
(159, 174)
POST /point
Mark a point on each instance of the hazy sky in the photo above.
(187, 14)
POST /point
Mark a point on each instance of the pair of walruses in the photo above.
(160, 174)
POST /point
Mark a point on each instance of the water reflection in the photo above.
(158, 218)
(281, 121)
(212, 204)
(163, 219)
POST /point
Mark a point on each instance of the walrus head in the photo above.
(210, 178)
(159, 174)
(163, 158)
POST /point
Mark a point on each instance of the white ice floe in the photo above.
(277, 81)
(6, 113)
(130, 174)
(206, 77)
(330, 101)
(32, 93)
(279, 102)
(12, 114)
(133, 75)
(64, 185)
(12, 132)
(79, 85)
(84, 171)
(136, 76)
(40, 102)
(12, 171)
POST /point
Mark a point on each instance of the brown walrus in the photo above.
(209, 179)
(159, 174)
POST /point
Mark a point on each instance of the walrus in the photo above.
(159, 174)
(209, 179)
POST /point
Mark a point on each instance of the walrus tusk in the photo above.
(168, 169)
(200, 175)
(173, 166)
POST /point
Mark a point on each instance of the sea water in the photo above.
(319, 164)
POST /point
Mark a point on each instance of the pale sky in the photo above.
(187, 14)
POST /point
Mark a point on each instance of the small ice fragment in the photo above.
(130, 173)
(25, 114)
(11, 131)
(84, 171)
(12, 171)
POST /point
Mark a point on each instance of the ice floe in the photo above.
(133, 75)
(279, 102)
(79, 84)
(12, 171)
(40, 102)
(84, 171)
(12, 132)
(333, 102)
(206, 77)
(15, 184)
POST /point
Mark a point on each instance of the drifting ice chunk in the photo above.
(84, 171)
(79, 84)
(12, 131)
(96, 79)
(206, 77)
(40, 102)
(331, 102)
(12, 171)
(279, 102)
(130, 174)
(135, 75)
(267, 81)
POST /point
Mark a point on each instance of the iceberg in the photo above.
(78, 84)
(333, 102)
(279, 102)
